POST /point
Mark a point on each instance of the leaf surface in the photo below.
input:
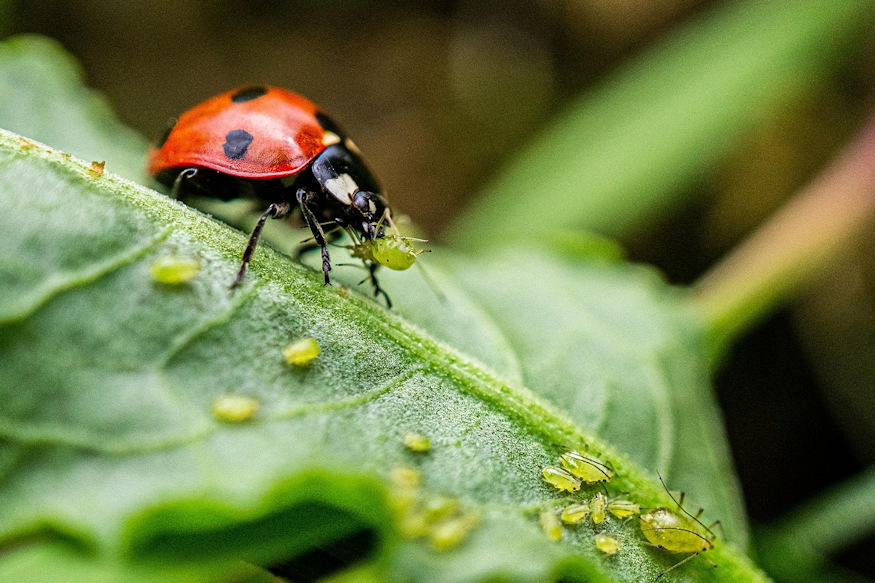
(108, 378)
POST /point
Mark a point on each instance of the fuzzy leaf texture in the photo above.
(114, 467)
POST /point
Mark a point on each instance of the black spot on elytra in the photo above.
(163, 139)
(248, 94)
(328, 124)
(236, 143)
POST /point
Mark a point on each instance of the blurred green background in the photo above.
(440, 95)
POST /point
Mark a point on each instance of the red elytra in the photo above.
(289, 135)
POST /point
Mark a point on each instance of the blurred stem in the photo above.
(792, 248)
(801, 543)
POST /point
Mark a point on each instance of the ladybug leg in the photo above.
(186, 174)
(274, 211)
(304, 197)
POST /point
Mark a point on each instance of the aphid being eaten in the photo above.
(392, 251)
(677, 532)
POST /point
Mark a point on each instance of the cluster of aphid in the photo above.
(667, 529)
(441, 520)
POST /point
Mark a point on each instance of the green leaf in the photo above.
(108, 379)
(42, 97)
(108, 442)
(798, 546)
(634, 146)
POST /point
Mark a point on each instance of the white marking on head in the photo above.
(342, 188)
(330, 138)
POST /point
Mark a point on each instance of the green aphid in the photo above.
(301, 352)
(174, 270)
(436, 508)
(598, 506)
(405, 478)
(392, 251)
(606, 544)
(588, 468)
(623, 508)
(550, 524)
(561, 479)
(575, 513)
(450, 532)
(235, 408)
(677, 532)
(417, 443)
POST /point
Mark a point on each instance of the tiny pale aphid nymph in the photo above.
(598, 505)
(561, 479)
(606, 544)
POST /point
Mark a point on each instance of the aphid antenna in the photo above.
(684, 510)
(431, 283)
(676, 565)
(679, 529)
(605, 469)
(590, 460)
(356, 265)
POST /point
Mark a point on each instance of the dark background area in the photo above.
(438, 94)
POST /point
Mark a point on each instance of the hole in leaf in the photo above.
(325, 560)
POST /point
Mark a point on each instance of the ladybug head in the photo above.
(373, 211)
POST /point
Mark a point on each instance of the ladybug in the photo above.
(276, 147)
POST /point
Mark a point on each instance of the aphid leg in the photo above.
(331, 236)
(186, 174)
(372, 268)
(304, 197)
(275, 210)
(676, 565)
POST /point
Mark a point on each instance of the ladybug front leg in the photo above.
(187, 174)
(304, 197)
(274, 211)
